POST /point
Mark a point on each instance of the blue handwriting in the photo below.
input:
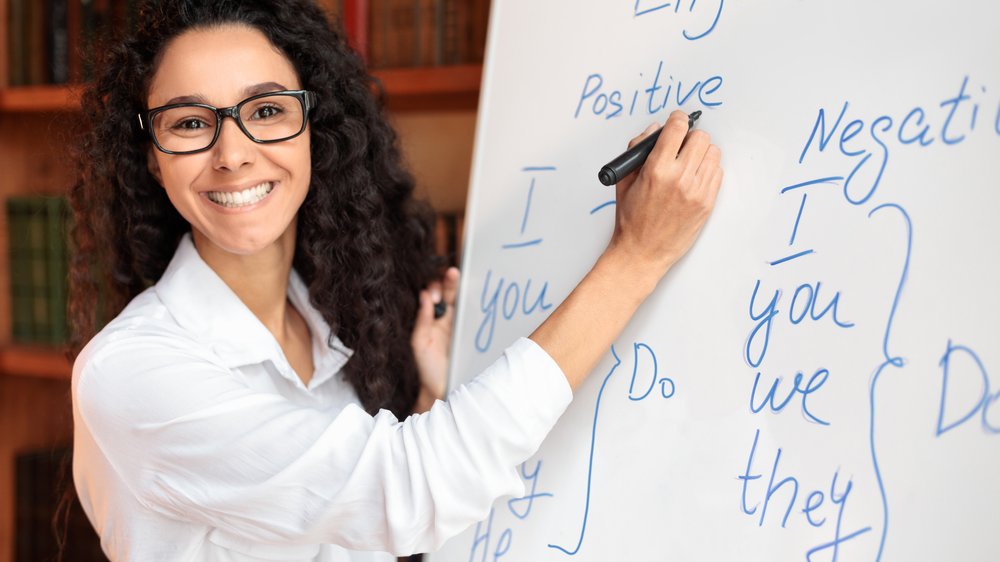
(643, 8)
(983, 401)
(517, 299)
(608, 103)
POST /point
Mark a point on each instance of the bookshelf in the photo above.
(454, 87)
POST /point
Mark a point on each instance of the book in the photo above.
(428, 51)
(57, 41)
(34, 34)
(452, 30)
(39, 476)
(402, 39)
(17, 24)
(378, 22)
(478, 26)
(17, 217)
(38, 269)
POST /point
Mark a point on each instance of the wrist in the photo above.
(630, 271)
(425, 399)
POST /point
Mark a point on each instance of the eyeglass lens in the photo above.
(268, 118)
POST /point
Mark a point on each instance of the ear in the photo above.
(153, 165)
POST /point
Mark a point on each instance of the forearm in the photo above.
(583, 327)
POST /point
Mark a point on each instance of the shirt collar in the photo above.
(202, 303)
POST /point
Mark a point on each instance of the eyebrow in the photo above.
(249, 91)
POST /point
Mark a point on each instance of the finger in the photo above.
(693, 152)
(450, 285)
(624, 183)
(713, 184)
(669, 144)
(710, 161)
(425, 313)
(435, 291)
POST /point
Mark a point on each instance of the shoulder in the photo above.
(143, 341)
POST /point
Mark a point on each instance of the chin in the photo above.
(244, 244)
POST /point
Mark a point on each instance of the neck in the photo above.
(260, 280)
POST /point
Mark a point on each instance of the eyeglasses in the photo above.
(186, 128)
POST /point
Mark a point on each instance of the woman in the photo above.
(273, 290)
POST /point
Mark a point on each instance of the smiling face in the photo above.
(239, 196)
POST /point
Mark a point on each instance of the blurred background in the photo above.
(426, 53)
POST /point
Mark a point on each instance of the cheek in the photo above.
(300, 163)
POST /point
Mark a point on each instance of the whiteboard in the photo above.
(819, 379)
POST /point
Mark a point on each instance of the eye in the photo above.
(267, 111)
(190, 124)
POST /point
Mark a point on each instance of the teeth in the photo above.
(243, 198)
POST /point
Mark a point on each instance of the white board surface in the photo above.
(852, 255)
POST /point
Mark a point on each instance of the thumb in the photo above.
(623, 184)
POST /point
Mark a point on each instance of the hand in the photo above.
(431, 339)
(662, 206)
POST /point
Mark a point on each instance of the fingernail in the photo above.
(436, 295)
(652, 127)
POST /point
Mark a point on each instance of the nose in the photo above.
(233, 149)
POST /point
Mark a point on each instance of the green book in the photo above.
(38, 281)
(17, 228)
(56, 256)
(38, 269)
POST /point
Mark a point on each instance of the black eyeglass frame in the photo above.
(306, 98)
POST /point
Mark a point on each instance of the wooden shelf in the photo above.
(431, 87)
(407, 89)
(29, 99)
(32, 361)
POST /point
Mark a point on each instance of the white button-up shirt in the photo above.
(195, 440)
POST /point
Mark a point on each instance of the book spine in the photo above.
(56, 256)
(35, 42)
(57, 41)
(38, 269)
(478, 27)
(454, 30)
(74, 38)
(378, 21)
(403, 39)
(16, 27)
(426, 32)
(17, 235)
(38, 280)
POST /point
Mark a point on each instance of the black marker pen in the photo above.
(635, 156)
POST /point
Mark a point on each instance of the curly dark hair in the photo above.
(359, 215)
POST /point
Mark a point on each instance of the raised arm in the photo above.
(660, 211)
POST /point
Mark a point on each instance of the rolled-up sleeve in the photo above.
(193, 442)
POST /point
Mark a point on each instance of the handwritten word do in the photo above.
(983, 400)
(667, 386)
